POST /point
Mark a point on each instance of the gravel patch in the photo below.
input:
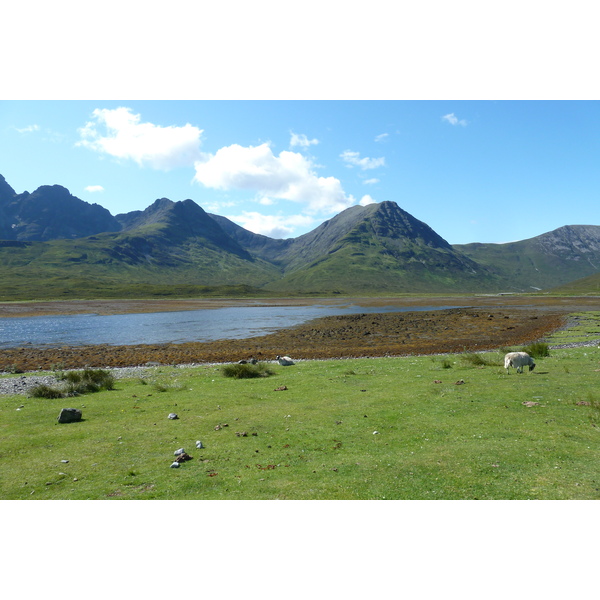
(24, 383)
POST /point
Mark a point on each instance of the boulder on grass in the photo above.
(69, 415)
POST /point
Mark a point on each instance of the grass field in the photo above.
(441, 427)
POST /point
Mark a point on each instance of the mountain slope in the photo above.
(546, 261)
(378, 247)
(587, 286)
(50, 212)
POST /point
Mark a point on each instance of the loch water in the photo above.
(203, 325)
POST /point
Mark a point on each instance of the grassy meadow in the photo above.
(430, 427)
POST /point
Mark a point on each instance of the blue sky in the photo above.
(475, 171)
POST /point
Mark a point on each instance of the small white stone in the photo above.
(375, 432)
(175, 465)
(199, 444)
(180, 451)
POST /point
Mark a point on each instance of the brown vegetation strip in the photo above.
(352, 336)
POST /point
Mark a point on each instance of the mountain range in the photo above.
(52, 244)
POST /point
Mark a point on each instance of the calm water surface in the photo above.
(170, 327)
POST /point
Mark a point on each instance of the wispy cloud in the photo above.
(353, 159)
(287, 176)
(28, 129)
(301, 140)
(454, 120)
(94, 188)
(381, 137)
(121, 133)
(371, 181)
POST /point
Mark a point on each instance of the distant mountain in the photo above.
(546, 261)
(177, 222)
(49, 213)
(378, 246)
(53, 244)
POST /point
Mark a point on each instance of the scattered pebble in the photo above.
(173, 416)
(175, 465)
(199, 444)
(178, 452)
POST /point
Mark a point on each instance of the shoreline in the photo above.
(361, 335)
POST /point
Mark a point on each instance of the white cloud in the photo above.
(371, 181)
(273, 226)
(94, 188)
(353, 158)
(366, 199)
(381, 137)
(453, 120)
(288, 176)
(28, 129)
(301, 140)
(124, 136)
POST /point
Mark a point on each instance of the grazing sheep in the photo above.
(285, 361)
(518, 360)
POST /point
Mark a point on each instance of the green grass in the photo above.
(436, 439)
(582, 327)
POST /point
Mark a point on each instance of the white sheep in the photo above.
(285, 361)
(518, 360)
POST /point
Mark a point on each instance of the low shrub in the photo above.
(89, 381)
(246, 371)
(537, 350)
(477, 360)
(45, 391)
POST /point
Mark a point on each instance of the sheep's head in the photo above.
(531, 366)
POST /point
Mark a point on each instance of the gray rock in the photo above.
(175, 465)
(180, 451)
(173, 416)
(69, 415)
(199, 444)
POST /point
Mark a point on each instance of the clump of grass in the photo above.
(246, 371)
(89, 381)
(477, 360)
(45, 391)
(59, 370)
(537, 350)
(76, 383)
(446, 363)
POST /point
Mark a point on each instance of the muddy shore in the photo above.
(481, 323)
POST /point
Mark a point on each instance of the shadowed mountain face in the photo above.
(50, 213)
(375, 249)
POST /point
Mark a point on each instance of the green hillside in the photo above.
(546, 261)
(54, 245)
